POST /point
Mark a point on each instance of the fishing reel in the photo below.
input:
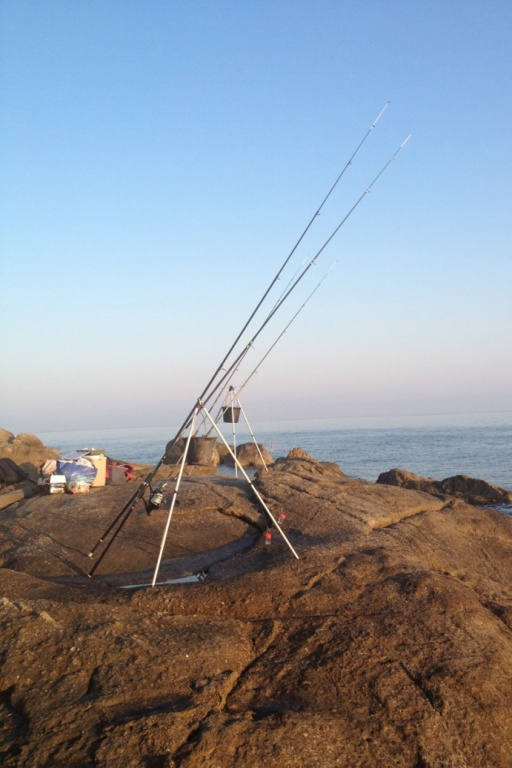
(156, 497)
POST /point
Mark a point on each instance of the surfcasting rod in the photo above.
(229, 373)
(204, 395)
(255, 370)
(304, 271)
(122, 517)
(236, 391)
(278, 275)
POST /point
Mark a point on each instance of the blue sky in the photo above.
(160, 160)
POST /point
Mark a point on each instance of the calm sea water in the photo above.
(478, 445)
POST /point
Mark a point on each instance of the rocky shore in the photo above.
(387, 643)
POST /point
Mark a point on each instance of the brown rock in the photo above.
(249, 456)
(11, 495)
(223, 451)
(299, 453)
(174, 452)
(5, 436)
(388, 643)
(472, 490)
(27, 451)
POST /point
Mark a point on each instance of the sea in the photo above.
(478, 444)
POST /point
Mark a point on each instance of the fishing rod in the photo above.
(255, 370)
(235, 364)
(122, 517)
(229, 373)
(126, 511)
(236, 391)
(278, 275)
(335, 231)
(304, 272)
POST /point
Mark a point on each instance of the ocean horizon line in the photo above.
(301, 420)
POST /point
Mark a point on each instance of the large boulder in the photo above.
(250, 456)
(246, 453)
(5, 436)
(27, 451)
(470, 489)
(299, 453)
(203, 461)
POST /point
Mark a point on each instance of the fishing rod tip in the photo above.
(386, 105)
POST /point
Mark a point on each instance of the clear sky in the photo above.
(161, 158)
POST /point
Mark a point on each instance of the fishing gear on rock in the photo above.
(157, 494)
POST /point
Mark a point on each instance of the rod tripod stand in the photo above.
(231, 411)
(119, 521)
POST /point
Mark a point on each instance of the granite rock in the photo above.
(470, 489)
(387, 643)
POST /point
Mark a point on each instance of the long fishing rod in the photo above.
(220, 367)
(278, 275)
(236, 391)
(308, 267)
(125, 512)
(122, 517)
(256, 369)
(283, 298)
(335, 231)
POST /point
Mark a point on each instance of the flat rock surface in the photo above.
(387, 643)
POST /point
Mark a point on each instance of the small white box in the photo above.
(53, 484)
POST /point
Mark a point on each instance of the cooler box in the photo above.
(99, 461)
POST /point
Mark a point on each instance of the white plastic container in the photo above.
(53, 484)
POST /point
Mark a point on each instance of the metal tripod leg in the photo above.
(253, 438)
(173, 501)
(256, 493)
